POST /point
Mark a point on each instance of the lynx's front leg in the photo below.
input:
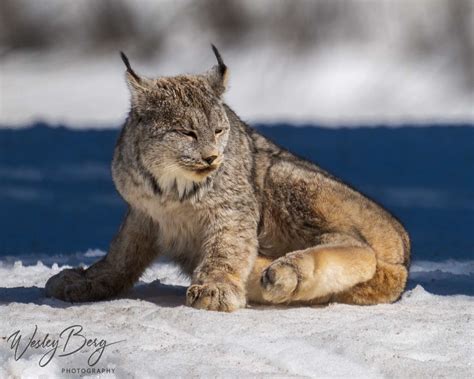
(130, 253)
(317, 273)
(218, 282)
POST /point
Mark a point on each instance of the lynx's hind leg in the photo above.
(386, 286)
(316, 273)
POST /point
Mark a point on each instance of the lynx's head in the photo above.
(179, 127)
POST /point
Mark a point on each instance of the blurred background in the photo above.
(381, 93)
(325, 61)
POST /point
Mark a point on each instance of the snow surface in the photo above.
(424, 335)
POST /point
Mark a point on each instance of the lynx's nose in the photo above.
(209, 159)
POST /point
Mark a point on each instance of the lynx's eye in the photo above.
(218, 131)
(188, 133)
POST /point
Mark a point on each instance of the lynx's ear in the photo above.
(218, 75)
(138, 86)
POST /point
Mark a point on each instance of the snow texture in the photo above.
(424, 335)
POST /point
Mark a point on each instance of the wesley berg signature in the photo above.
(71, 340)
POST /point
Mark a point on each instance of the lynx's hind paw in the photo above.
(279, 281)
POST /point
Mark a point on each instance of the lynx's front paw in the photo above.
(223, 297)
(279, 281)
(68, 285)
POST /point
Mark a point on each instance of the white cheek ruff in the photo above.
(175, 182)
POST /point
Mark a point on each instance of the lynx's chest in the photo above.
(181, 228)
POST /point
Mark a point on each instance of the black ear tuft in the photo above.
(129, 68)
(220, 61)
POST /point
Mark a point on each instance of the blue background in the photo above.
(57, 196)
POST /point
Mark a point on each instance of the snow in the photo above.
(423, 335)
(266, 85)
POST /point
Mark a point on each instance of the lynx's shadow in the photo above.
(164, 295)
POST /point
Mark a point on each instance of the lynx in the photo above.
(248, 221)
